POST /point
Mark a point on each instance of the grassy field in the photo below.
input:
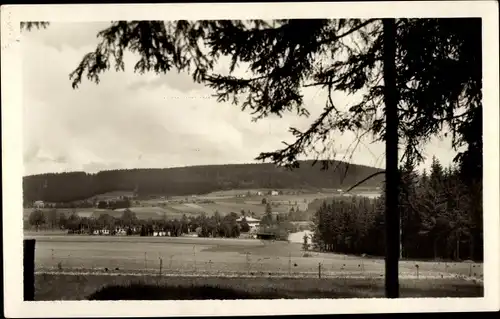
(208, 204)
(223, 202)
(97, 267)
(227, 201)
(75, 267)
(104, 287)
(217, 256)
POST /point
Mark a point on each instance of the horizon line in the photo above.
(318, 162)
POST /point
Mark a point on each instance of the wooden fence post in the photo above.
(194, 257)
(161, 265)
(289, 264)
(29, 269)
(248, 262)
(319, 270)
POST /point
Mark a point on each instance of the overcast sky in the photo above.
(143, 121)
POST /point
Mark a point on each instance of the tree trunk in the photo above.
(434, 245)
(471, 251)
(401, 240)
(392, 231)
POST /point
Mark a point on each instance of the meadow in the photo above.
(219, 255)
(223, 202)
(127, 287)
(82, 265)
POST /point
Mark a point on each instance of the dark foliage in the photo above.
(76, 186)
(438, 219)
(29, 25)
(438, 74)
(245, 228)
(156, 292)
(37, 218)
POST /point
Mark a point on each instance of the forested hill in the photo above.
(64, 187)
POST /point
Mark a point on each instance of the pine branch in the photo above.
(351, 31)
(364, 180)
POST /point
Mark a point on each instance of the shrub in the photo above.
(156, 292)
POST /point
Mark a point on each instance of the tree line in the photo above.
(214, 226)
(180, 181)
(118, 203)
(441, 218)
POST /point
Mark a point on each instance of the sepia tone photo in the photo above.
(239, 159)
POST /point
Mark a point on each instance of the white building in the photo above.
(121, 231)
(274, 193)
(160, 233)
(38, 204)
(252, 222)
(101, 232)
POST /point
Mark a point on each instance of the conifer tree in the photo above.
(431, 69)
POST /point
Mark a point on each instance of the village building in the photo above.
(120, 231)
(101, 232)
(39, 204)
(159, 233)
(252, 222)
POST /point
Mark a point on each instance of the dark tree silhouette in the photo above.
(245, 228)
(128, 218)
(29, 25)
(74, 188)
(392, 219)
(437, 222)
(36, 218)
(437, 61)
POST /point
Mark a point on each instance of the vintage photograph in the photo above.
(230, 159)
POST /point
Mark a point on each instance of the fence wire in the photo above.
(196, 263)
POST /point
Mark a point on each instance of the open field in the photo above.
(305, 193)
(227, 201)
(123, 287)
(222, 205)
(217, 256)
(98, 267)
(223, 202)
(177, 207)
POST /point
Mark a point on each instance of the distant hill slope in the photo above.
(65, 187)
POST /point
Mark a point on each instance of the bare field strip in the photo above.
(218, 256)
(256, 274)
(81, 287)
